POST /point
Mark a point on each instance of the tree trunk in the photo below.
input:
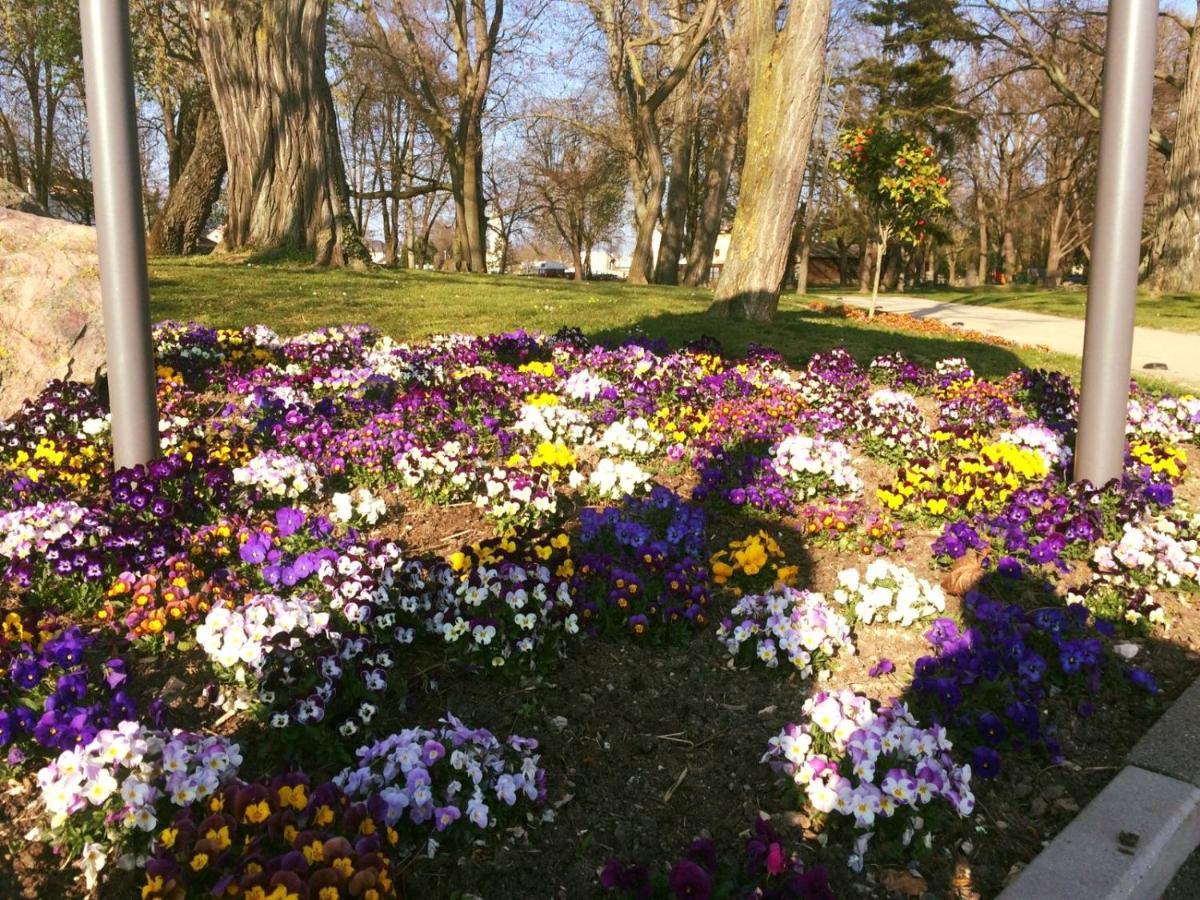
(716, 182)
(1054, 244)
(802, 264)
(647, 203)
(265, 63)
(843, 261)
(893, 266)
(1174, 260)
(577, 255)
(981, 223)
(474, 223)
(867, 261)
(679, 191)
(785, 81)
(182, 220)
(1010, 254)
(880, 256)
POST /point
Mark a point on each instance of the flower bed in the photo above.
(486, 614)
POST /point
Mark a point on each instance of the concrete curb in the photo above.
(1129, 842)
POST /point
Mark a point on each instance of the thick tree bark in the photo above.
(648, 174)
(1054, 243)
(1174, 260)
(181, 223)
(716, 189)
(785, 80)
(880, 255)
(731, 115)
(1010, 254)
(802, 265)
(866, 264)
(265, 63)
(679, 191)
(981, 223)
(473, 231)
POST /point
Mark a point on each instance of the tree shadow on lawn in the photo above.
(799, 333)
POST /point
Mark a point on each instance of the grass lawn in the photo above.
(406, 304)
(1172, 312)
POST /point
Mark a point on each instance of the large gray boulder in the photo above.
(12, 197)
(51, 324)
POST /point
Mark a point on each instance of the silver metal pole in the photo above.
(1116, 238)
(117, 187)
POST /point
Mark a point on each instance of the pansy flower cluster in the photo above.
(511, 600)
(241, 638)
(752, 563)
(271, 841)
(56, 690)
(887, 592)
(814, 465)
(849, 524)
(898, 371)
(272, 476)
(798, 627)
(639, 566)
(112, 791)
(167, 601)
(447, 780)
(878, 767)
(989, 682)
(1121, 601)
(894, 428)
(951, 486)
(765, 869)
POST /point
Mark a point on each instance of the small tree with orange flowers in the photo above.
(899, 183)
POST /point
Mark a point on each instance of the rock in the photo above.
(51, 324)
(12, 197)
(1126, 650)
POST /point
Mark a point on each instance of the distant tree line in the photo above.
(563, 126)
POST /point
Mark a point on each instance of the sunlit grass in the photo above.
(292, 297)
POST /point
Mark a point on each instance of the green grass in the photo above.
(291, 298)
(1172, 312)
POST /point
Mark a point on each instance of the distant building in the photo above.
(824, 261)
(546, 268)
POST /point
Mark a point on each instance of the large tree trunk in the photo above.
(1010, 253)
(785, 80)
(473, 231)
(802, 265)
(647, 203)
(182, 220)
(679, 191)
(1054, 243)
(1174, 260)
(866, 264)
(982, 225)
(716, 178)
(265, 63)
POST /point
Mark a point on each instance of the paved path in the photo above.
(1180, 352)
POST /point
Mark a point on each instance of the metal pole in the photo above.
(1129, 54)
(117, 188)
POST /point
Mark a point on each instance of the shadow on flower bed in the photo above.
(1008, 719)
(799, 333)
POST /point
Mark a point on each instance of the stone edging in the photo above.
(1129, 842)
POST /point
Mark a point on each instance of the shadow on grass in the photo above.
(799, 333)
